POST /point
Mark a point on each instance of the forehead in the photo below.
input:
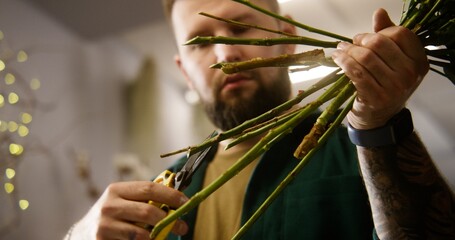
(185, 17)
(169, 4)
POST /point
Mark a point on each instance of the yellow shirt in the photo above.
(218, 216)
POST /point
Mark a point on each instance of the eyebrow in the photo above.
(203, 32)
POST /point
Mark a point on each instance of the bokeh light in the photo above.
(12, 126)
(26, 118)
(16, 149)
(9, 188)
(2, 65)
(3, 126)
(10, 79)
(22, 131)
(10, 173)
(22, 56)
(23, 204)
(13, 98)
(35, 84)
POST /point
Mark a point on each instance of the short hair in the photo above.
(169, 4)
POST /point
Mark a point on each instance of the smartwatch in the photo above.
(394, 131)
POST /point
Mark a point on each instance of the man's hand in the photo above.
(385, 67)
(125, 203)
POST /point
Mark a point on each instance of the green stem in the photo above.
(290, 21)
(293, 173)
(415, 20)
(245, 25)
(258, 149)
(262, 128)
(327, 80)
(311, 139)
(286, 60)
(261, 41)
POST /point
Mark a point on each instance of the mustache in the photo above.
(222, 79)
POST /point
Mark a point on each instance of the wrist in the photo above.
(393, 132)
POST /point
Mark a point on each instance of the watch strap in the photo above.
(394, 131)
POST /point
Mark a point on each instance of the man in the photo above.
(407, 196)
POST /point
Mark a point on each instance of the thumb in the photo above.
(381, 20)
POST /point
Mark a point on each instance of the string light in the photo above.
(9, 188)
(13, 98)
(10, 173)
(23, 204)
(16, 149)
(22, 56)
(9, 79)
(22, 131)
(15, 129)
(26, 118)
(35, 84)
(12, 126)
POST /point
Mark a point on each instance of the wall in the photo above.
(79, 116)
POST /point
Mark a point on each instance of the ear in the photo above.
(178, 62)
(290, 29)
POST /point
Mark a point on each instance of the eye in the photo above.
(237, 30)
(199, 47)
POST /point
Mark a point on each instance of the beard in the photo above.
(227, 115)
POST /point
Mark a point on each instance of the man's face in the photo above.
(229, 99)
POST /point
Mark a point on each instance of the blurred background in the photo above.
(89, 94)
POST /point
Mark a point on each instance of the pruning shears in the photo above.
(179, 181)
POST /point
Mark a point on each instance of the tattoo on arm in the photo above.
(409, 198)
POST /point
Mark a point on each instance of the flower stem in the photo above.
(311, 140)
(263, 145)
(290, 21)
(305, 58)
(261, 41)
(293, 173)
(327, 80)
(245, 25)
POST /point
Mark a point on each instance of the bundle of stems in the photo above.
(433, 21)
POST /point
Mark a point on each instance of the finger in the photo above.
(180, 228)
(381, 20)
(145, 191)
(404, 69)
(387, 50)
(406, 40)
(371, 62)
(139, 212)
(121, 230)
(132, 211)
(363, 81)
(394, 39)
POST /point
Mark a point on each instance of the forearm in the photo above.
(409, 198)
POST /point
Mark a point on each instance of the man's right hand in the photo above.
(125, 203)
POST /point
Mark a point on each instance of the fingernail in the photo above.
(342, 45)
(184, 199)
(357, 39)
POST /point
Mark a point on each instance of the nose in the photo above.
(227, 53)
